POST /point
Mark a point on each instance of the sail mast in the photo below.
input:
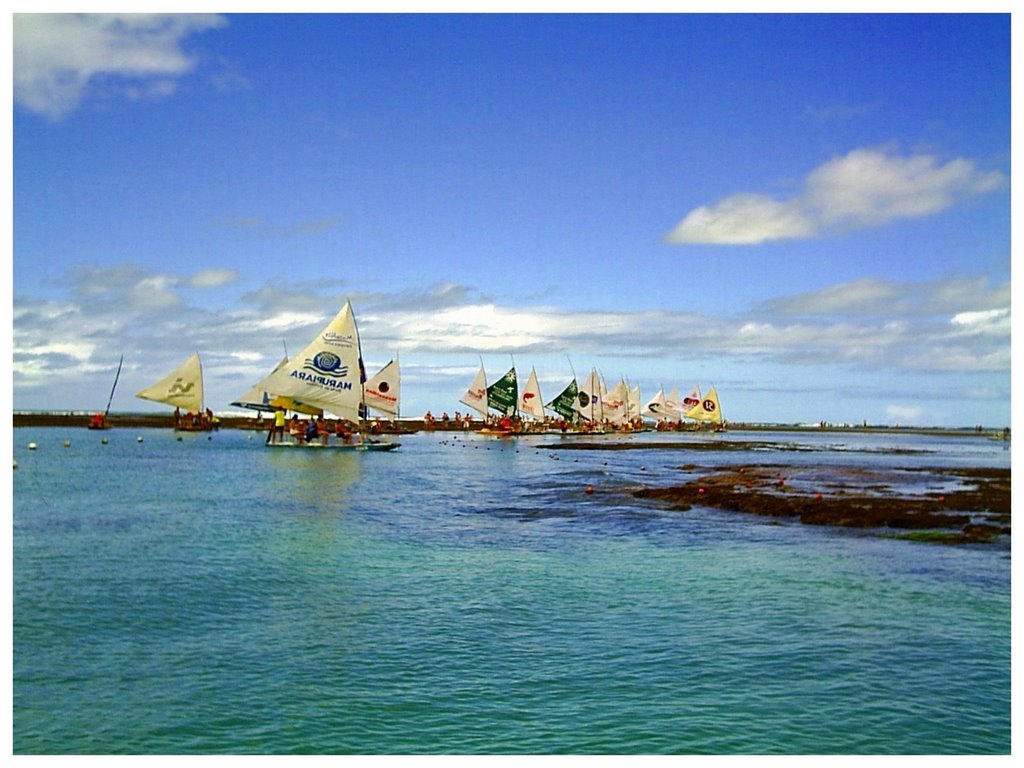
(116, 377)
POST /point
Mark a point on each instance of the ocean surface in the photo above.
(464, 594)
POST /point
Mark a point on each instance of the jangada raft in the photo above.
(327, 378)
(183, 388)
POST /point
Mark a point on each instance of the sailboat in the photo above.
(183, 388)
(708, 410)
(531, 404)
(503, 397)
(565, 404)
(99, 421)
(327, 375)
(476, 395)
(381, 392)
(588, 399)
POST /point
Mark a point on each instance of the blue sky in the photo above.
(811, 213)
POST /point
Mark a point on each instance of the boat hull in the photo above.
(375, 446)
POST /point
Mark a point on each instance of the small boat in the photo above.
(99, 421)
(708, 410)
(364, 445)
(183, 388)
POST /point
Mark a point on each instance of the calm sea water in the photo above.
(464, 595)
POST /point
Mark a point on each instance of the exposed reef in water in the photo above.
(940, 505)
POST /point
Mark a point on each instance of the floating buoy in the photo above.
(139, 439)
(942, 499)
(104, 441)
(818, 496)
(15, 463)
(590, 489)
(32, 446)
(700, 490)
(67, 443)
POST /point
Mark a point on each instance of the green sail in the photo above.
(503, 395)
(565, 404)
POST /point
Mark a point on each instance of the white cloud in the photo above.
(212, 278)
(904, 414)
(866, 187)
(743, 219)
(984, 321)
(934, 327)
(57, 56)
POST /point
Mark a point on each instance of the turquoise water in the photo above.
(464, 595)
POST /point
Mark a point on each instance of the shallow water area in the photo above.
(466, 594)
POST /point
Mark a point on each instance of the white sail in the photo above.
(381, 391)
(655, 408)
(530, 401)
(633, 407)
(476, 395)
(182, 388)
(589, 398)
(615, 403)
(258, 398)
(707, 409)
(689, 401)
(327, 374)
(266, 394)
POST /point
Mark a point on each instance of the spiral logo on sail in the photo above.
(326, 364)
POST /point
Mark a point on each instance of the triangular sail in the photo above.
(633, 406)
(503, 395)
(530, 401)
(707, 409)
(265, 395)
(565, 404)
(655, 408)
(588, 400)
(327, 374)
(690, 400)
(182, 388)
(259, 396)
(381, 392)
(615, 403)
(476, 395)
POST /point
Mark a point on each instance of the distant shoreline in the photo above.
(166, 421)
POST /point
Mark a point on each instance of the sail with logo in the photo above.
(530, 401)
(381, 391)
(708, 409)
(565, 404)
(328, 374)
(588, 399)
(182, 388)
(503, 395)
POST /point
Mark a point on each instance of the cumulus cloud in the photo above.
(867, 187)
(58, 56)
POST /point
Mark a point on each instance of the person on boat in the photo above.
(311, 430)
(295, 429)
(177, 417)
(321, 430)
(342, 432)
(276, 433)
